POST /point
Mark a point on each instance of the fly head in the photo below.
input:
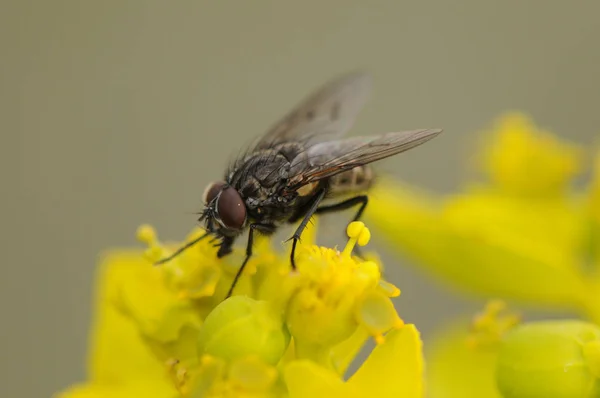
(224, 210)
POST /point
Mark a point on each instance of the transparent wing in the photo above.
(326, 159)
(326, 114)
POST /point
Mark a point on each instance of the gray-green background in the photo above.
(115, 113)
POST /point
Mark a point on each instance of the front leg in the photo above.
(266, 228)
(181, 249)
(300, 229)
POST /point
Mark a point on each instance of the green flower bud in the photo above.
(549, 359)
(241, 326)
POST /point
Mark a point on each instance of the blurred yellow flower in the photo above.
(494, 355)
(462, 355)
(458, 368)
(167, 332)
(522, 159)
(523, 234)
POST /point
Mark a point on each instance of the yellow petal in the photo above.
(394, 368)
(376, 312)
(458, 369)
(305, 379)
(159, 312)
(344, 353)
(146, 389)
(118, 352)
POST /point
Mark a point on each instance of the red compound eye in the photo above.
(231, 208)
(211, 191)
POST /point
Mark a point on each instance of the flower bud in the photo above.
(241, 326)
(550, 359)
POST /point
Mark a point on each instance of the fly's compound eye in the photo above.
(231, 209)
(211, 191)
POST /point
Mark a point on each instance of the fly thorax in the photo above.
(271, 171)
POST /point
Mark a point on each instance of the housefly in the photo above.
(301, 163)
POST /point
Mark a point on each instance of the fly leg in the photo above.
(226, 247)
(305, 220)
(181, 249)
(346, 204)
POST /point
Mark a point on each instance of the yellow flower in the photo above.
(523, 234)
(339, 294)
(165, 331)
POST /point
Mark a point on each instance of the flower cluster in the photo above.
(522, 231)
(166, 331)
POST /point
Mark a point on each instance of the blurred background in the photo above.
(117, 113)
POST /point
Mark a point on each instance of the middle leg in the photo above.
(363, 200)
(307, 216)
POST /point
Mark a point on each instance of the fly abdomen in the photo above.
(357, 179)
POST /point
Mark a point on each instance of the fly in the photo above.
(298, 164)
